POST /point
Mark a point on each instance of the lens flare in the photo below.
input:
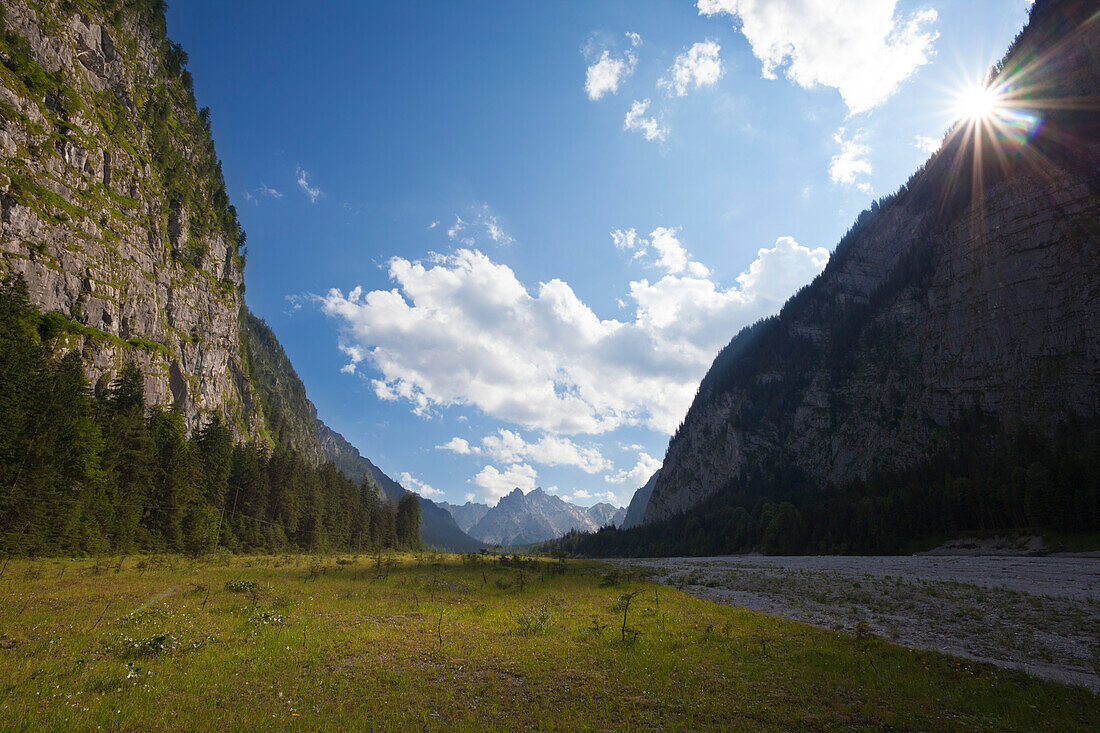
(996, 110)
(978, 102)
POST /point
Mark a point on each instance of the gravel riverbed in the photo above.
(1037, 614)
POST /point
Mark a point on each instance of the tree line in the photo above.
(96, 474)
(985, 479)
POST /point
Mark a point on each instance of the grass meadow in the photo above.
(451, 642)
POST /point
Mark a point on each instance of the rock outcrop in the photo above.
(635, 512)
(975, 288)
(113, 207)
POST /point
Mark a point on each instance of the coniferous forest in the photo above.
(94, 474)
(986, 480)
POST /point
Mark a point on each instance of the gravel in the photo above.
(1037, 614)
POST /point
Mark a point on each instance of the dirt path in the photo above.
(1038, 614)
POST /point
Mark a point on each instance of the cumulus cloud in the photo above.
(663, 244)
(460, 329)
(649, 127)
(699, 66)
(851, 163)
(495, 483)
(312, 192)
(861, 48)
(638, 475)
(549, 450)
(461, 446)
(508, 446)
(412, 483)
(604, 76)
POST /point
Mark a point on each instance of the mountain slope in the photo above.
(291, 419)
(604, 514)
(635, 513)
(115, 214)
(976, 288)
(437, 527)
(114, 208)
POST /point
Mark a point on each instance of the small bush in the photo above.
(134, 648)
(241, 586)
(535, 620)
(269, 618)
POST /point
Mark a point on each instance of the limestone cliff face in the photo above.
(975, 286)
(113, 204)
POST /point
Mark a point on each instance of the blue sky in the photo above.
(502, 242)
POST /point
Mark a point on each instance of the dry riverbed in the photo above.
(1038, 614)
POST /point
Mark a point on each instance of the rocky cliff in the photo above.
(113, 204)
(635, 512)
(975, 288)
(114, 212)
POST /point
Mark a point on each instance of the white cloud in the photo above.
(263, 191)
(550, 450)
(414, 484)
(460, 446)
(861, 48)
(699, 66)
(926, 144)
(434, 224)
(483, 218)
(495, 483)
(851, 163)
(604, 76)
(636, 120)
(634, 38)
(625, 238)
(355, 355)
(664, 241)
(460, 329)
(312, 192)
(638, 475)
(470, 496)
(584, 495)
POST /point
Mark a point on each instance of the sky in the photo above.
(502, 242)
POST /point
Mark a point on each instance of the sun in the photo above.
(977, 103)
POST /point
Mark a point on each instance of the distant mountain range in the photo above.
(521, 519)
(466, 515)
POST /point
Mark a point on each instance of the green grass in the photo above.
(360, 642)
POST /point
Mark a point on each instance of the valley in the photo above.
(1037, 614)
(397, 641)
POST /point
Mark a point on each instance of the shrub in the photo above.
(535, 620)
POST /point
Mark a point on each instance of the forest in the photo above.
(985, 479)
(84, 474)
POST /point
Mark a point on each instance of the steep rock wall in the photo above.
(977, 286)
(112, 203)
